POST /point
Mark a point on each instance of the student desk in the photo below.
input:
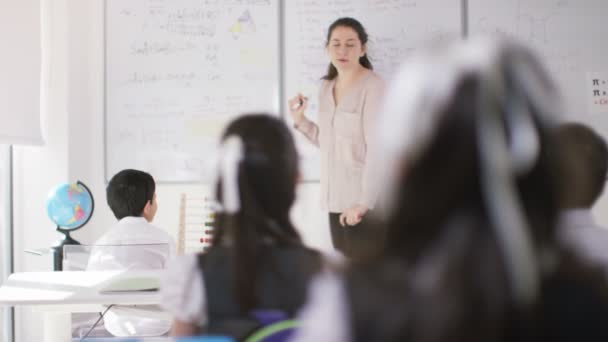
(58, 294)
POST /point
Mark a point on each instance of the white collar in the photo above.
(133, 219)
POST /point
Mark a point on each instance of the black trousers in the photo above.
(356, 241)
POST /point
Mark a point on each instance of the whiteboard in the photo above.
(396, 28)
(176, 72)
(569, 37)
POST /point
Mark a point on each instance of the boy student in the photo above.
(133, 244)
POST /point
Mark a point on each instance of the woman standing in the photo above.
(349, 100)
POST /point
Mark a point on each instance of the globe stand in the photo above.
(73, 223)
(57, 248)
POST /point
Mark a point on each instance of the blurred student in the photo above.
(471, 252)
(133, 244)
(585, 167)
(257, 260)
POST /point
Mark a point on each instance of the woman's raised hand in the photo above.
(297, 106)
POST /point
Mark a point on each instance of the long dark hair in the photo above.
(354, 24)
(267, 178)
(446, 180)
(444, 261)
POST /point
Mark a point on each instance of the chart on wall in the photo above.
(176, 72)
(396, 29)
(568, 36)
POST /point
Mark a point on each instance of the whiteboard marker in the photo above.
(298, 105)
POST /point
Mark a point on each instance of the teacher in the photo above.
(349, 100)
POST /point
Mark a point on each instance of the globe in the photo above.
(70, 205)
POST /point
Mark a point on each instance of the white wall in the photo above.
(20, 69)
(74, 149)
(37, 169)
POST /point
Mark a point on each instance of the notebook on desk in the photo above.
(129, 284)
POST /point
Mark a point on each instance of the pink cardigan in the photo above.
(343, 136)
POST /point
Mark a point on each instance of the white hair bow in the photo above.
(231, 153)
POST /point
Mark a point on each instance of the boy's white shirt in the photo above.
(133, 243)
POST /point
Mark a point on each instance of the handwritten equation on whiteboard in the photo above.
(597, 92)
(176, 72)
(563, 33)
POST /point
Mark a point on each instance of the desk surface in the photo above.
(73, 288)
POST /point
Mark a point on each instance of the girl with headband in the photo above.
(257, 260)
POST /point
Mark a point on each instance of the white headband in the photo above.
(231, 153)
(409, 119)
(411, 111)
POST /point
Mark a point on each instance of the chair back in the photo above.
(110, 258)
(115, 257)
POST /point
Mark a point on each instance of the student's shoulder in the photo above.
(153, 227)
(158, 231)
(109, 236)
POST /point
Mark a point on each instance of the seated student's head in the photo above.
(256, 189)
(585, 164)
(132, 193)
(479, 119)
(477, 196)
(263, 152)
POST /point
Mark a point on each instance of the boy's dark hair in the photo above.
(585, 164)
(129, 191)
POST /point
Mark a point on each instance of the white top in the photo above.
(133, 244)
(183, 291)
(326, 315)
(344, 135)
(578, 229)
